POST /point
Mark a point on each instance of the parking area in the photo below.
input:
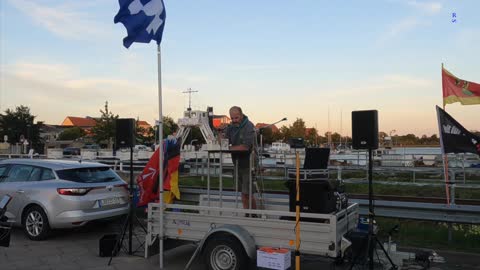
(79, 249)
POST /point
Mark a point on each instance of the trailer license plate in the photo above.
(110, 201)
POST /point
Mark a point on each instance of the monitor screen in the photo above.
(5, 200)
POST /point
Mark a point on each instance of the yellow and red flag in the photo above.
(458, 90)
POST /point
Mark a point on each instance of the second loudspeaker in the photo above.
(365, 129)
(124, 132)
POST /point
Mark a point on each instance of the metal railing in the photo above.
(465, 214)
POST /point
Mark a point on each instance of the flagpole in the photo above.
(160, 152)
(445, 157)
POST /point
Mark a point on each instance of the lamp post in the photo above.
(28, 140)
(191, 142)
(391, 135)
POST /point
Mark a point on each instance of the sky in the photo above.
(311, 59)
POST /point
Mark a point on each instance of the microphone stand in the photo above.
(261, 133)
(260, 130)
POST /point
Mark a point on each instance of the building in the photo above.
(145, 126)
(262, 125)
(220, 121)
(49, 133)
(72, 121)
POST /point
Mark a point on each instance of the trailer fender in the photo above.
(238, 232)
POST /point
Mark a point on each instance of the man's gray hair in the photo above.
(236, 108)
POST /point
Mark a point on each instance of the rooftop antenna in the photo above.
(189, 91)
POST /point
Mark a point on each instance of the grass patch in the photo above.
(352, 188)
(429, 234)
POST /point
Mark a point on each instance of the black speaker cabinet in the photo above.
(365, 129)
(125, 132)
(4, 236)
(359, 246)
(316, 196)
(108, 245)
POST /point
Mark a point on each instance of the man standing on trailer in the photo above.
(241, 137)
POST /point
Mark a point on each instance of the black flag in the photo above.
(454, 137)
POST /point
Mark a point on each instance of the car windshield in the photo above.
(88, 175)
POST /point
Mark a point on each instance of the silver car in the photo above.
(49, 194)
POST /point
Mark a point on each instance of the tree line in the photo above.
(298, 129)
(18, 126)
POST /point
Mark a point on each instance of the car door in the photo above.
(13, 184)
(3, 175)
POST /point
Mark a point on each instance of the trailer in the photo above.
(228, 238)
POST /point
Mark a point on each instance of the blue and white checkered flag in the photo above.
(144, 20)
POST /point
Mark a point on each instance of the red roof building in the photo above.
(72, 121)
(220, 121)
(143, 124)
(261, 125)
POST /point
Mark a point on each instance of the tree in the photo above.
(145, 136)
(18, 126)
(267, 135)
(195, 136)
(312, 137)
(285, 133)
(335, 137)
(169, 127)
(297, 129)
(71, 134)
(104, 130)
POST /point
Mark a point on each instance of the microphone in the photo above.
(267, 126)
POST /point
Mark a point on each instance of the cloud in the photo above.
(399, 28)
(257, 67)
(409, 23)
(428, 7)
(380, 87)
(65, 20)
(54, 91)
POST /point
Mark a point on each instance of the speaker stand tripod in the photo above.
(129, 220)
(372, 236)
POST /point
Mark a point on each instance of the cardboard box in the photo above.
(274, 258)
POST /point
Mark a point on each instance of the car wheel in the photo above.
(224, 252)
(35, 223)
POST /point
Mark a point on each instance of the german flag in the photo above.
(458, 90)
(148, 180)
(170, 170)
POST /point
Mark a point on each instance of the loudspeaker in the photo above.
(296, 143)
(124, 132)
(316, 196)
(365, 129)
(358, 248)
(108, 245)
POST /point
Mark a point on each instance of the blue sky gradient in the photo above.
(299, 59)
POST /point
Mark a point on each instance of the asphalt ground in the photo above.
(79, 249)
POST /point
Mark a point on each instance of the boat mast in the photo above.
(341, 125)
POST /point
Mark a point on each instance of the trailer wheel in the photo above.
(225, 252)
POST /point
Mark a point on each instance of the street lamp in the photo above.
(191, 143)
(391, 135)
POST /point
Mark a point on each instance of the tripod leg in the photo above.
(119, 244)
(365, 244)
(141, 225)
(394, 266)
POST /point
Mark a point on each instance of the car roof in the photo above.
(54, 164)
